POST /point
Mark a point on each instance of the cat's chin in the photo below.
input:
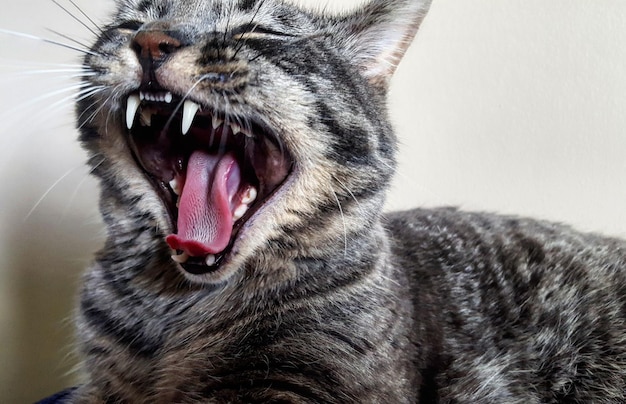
(213, 171)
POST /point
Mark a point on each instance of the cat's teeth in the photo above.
(249, 196)
(210, 260)
(146, 117)
(240, 211)
(156, 97)
(190, 109)
(235, 128)
(245, 132)
(217, 122)
(175, 185)
(181, 259)
(132, 105)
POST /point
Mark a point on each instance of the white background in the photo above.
(511, 106)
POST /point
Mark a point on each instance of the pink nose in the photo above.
(154, 45)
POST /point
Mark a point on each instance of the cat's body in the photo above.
(287, 284)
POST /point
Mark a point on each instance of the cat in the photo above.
(244, 152)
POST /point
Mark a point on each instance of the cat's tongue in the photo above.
(205, 213)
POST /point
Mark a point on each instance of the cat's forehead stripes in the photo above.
(219, 16)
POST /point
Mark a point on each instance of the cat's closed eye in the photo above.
(255, 31)
(131, 25)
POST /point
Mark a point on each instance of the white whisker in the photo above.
(347, 190)
(81, 95)
(82, 181)
(69, 38)
(343, 221)
(45, 194)
(55, 71)
(50, 41)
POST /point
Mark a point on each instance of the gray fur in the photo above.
(322, 298)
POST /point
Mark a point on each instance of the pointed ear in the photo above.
(377, 35)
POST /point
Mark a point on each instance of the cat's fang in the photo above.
(249, 196)
(240, 211)
(210, 260)
(175, 185)
(190, 109)
(181, 259)
(132, 105)
(146, 117)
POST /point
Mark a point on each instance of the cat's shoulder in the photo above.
(460, 235)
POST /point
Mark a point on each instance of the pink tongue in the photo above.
(205, 213)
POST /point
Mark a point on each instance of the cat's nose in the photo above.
(154, 46)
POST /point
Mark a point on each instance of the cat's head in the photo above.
(244, 131)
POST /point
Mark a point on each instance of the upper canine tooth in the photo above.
(132, 106)
(190, 109)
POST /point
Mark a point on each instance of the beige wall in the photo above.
(514, 106)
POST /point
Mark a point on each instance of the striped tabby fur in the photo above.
(320, 297)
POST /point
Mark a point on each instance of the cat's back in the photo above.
(522, 310)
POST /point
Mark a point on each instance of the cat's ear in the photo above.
(377, 35)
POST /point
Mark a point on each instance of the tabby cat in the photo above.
(244, 152)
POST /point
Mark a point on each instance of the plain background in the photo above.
(510, 106)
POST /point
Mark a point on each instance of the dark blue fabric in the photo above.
(59, 398)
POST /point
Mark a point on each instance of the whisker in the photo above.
(43, 97)
(347, 190)
(82, 181)
(75, 18)
(182, 101)
(240, 44)
(46, 40)
(69, 38)
(79, 73)
(110, 110)
(86, 16)
(228, 21)
(81, 95)
(343, 221)
(45, 194)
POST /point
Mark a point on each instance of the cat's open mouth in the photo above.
(213, 171)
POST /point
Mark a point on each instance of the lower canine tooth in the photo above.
(146, 117)
(240, 211)
(175, 185)
(181, 259)
(249, 196)
(210, 260)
